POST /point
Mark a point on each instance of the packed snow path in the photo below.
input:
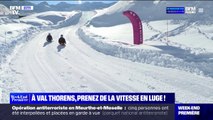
(43, 67)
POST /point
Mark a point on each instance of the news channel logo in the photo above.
(184, 10)
(15, 10)
(19, 98)
(190, 10)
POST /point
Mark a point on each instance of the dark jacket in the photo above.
(61, 41)
(49, 37)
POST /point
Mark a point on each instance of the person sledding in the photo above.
(62, 41)
(49, 38)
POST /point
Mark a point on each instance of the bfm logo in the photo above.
(190, 10)
(15, 9)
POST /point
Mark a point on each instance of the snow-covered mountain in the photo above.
(149, 11)
(62, 6)
(177, 54)
(3, 9)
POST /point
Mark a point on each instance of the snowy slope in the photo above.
(15, 33)
(81, 68)
(186, 46)
(123, 32)
(47, 18)
(12, 31)
(3, 9)
(18, 31)
(195, 38)
(103, 58)
(171, 54)
(149, 11)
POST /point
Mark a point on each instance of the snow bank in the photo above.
(70, 20)
(12, 31)
(7, 47)
(168, 56)
(54, 18)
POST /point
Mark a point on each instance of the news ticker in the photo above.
(94, 98)
(120, 106)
